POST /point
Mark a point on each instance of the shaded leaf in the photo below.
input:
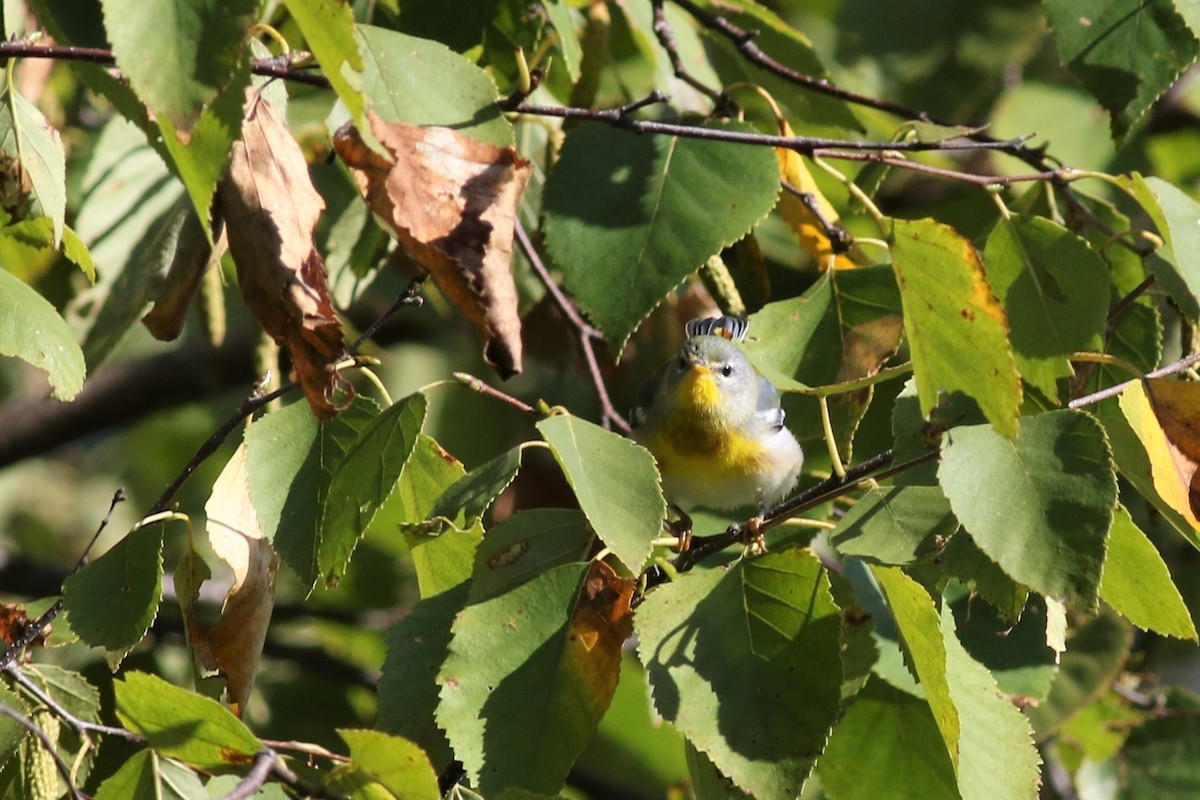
(33, 170)
(114, 599)
(53, 348)
(957, 330)
(148, 776)
(442, 549)
(236, 639)
(886, 745)
(398, 764)
(1137, 583)
(895, 524)
(183, 725)
(1096, 652)
(1017, 655)
(521, 547)
(1125, 52)
(628, 218)
(1055, 295)
(179, 71)
(193, 257)
(291, 458)
(1039, 504)
(364, 479)
(270, 209)
(744, 661)
(451, 201)
(1159, 760)
(615, 482)
(417, 646)
(473, 493)
(519, 717)
(1177, 263)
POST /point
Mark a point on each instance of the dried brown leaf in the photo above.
(451, 201)
(194, 257)
(270, 209)
(235, 642)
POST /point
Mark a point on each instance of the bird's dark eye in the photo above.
(727, 370)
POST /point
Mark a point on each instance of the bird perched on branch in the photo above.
(715, 425)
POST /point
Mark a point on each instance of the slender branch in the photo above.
(256, 778)
(477, 385)
(666, 37)
(48, 745)
(1112, 391)
(268, 67)
(585, 332)
(839, 239)
(82, 727)
(411, 296)
(1053, 175)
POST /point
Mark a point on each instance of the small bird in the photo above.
(715, 425)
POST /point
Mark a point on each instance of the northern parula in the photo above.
(715, 425)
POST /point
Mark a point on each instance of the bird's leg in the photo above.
(681, 528)
(753, 541)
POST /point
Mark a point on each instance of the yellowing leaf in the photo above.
(270, 208)
(1165, 415)
(804, 222)
(236, 640)
(451, 201)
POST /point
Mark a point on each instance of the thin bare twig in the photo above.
(82, 727)
(264, 763)
(585, 332)
(839, 239)
(477, 385)
(1112, 391)
(48, 745)
(666, 37)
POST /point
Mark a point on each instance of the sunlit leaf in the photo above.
(32, 164)
(744, 661)
(329, 32)
(1177, 263)
(629, 217)
(957, 330)
(895, 524)
(1039, 504)
(1137, 583)
(182, 724)
(398, 764)
(32, 330)
(615, 481)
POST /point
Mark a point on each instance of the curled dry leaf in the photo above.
(451, 201)
(270, 208)
(234, 644)
(194, 257)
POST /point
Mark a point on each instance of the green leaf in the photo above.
(521, 547)
(559, 15)
(629, 217)
(423, 82)
(1177, 263)
(53, 348)
(1017, 655)
(962, 559)
(920, 630)
(895, 524)
(442, 550)
(473, 493)
(195, 49)
(364, 479)
(33, 148)
(69, 689)
(1047, 279)
(997, 759)
(957, 330)
(1096, 653)
(114, 599)
(183, 725)
(615, 481)
(147, 776)
(745, 662)
(199, 156)
(1039, 504)
(398, 764)
(527, 681)
(886, 745)
(1160, 757)
(1125, 52)
(330, 35)
(11, 731)
(417, 646)
(290, 460)
(77, 253)
(1136, 582)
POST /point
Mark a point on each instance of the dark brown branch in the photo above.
(839, 239)
(256, 778)
(666, 37)
(269, 67)
(584, 332)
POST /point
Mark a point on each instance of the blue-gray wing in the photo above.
(639, 413)
(768, 409)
